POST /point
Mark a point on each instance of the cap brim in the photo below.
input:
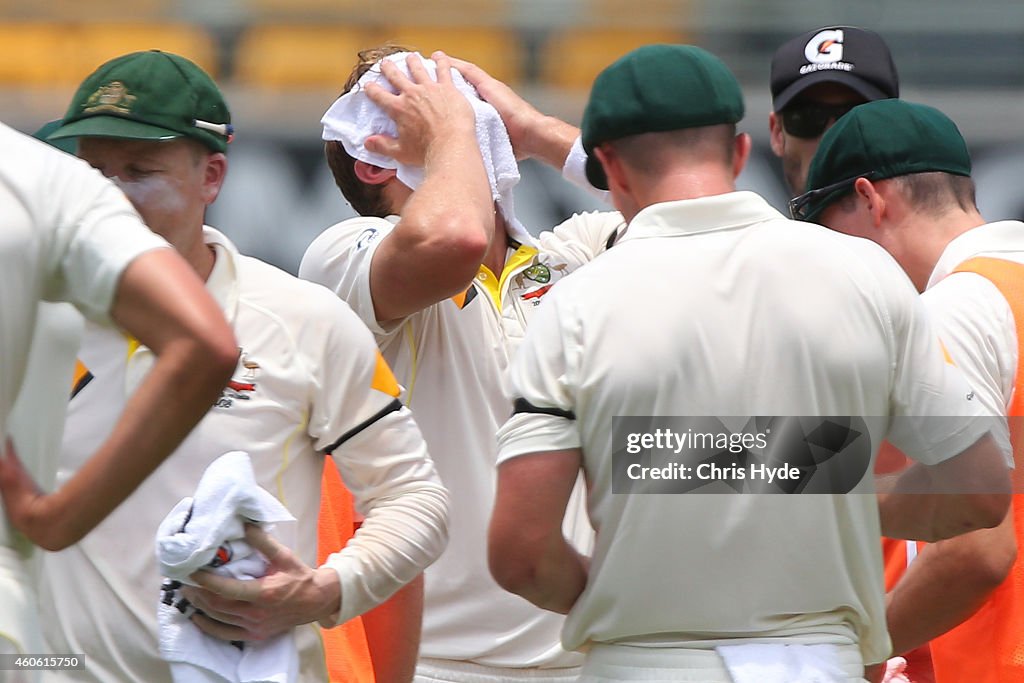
(64, 145)
(112, 127)
(595, 173)
(855, 83)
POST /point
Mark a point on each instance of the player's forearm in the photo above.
(947, 583)
(549, 139)
(964, 493)
(175, 395)
(400, 537)
(553, 580)
(449, 221)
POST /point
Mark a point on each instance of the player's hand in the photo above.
(23, 501)
(521, 119)
(427, 113)
(290, 594)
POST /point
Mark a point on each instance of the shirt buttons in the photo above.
(481, 276)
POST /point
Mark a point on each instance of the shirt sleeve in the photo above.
(96, 235)
(977, 328)
(383, 460)
(935, 414)
(543, 380)
(340, 259)
(583, 237)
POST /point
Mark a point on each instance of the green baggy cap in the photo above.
(654, 89)
(882, 139)
(150, 95)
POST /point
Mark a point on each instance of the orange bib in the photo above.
(989, 647)
(345, 648)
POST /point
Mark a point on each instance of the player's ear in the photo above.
(740, 153)
(215, 168)
(373, 175)
(867, 192)
(775, 137)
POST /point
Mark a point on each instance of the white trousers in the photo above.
(452, 671)
(614, 663)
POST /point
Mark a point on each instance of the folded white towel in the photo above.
(771, 663)
(207, 531)
(354, 117)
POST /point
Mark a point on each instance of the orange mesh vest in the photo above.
(348, 656)
(989, 647)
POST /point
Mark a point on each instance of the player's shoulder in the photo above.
(267, 284)
(805, 241)
(358, 233)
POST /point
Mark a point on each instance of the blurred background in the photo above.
(282, 62)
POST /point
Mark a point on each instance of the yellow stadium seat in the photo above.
(34, 53)
(98, 43)
(282, 57)
(498, 51)
(572, 58)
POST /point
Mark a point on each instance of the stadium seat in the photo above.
(497, 50)
(570, 59)
(34, 54)
(97, 43)
(298, 56)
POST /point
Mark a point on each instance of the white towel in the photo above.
(208, 531)
(770, 663)
(354, 117)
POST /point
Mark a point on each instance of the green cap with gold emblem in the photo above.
(150, 95)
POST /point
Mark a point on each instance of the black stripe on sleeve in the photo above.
(521, 405)
(611, 239)
(82, 383)
(392, 407)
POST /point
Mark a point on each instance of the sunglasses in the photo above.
(810, 119)
(803, 205)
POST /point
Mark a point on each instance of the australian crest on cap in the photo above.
(111, 97)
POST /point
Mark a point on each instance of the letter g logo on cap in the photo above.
(826, 46)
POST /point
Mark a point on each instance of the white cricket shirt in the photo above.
(451, 358)
(68, 235)
(721, 306)
(972, 317)
(309, 380)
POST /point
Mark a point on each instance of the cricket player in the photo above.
(907, 186)
(702, 587)
(71, 236)
(308, 380)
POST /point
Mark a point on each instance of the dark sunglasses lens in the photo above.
(804, 122)
(810, 121)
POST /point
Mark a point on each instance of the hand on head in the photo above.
(426, 112)
(520, 117)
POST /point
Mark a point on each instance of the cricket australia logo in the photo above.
(540, 274)
(242, 383)
(113, 97)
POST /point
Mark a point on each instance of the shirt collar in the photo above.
(223, 281)
(705, 214)
(991, 238)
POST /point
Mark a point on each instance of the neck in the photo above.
(930, 238)
(200, 256)
(685, 182)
